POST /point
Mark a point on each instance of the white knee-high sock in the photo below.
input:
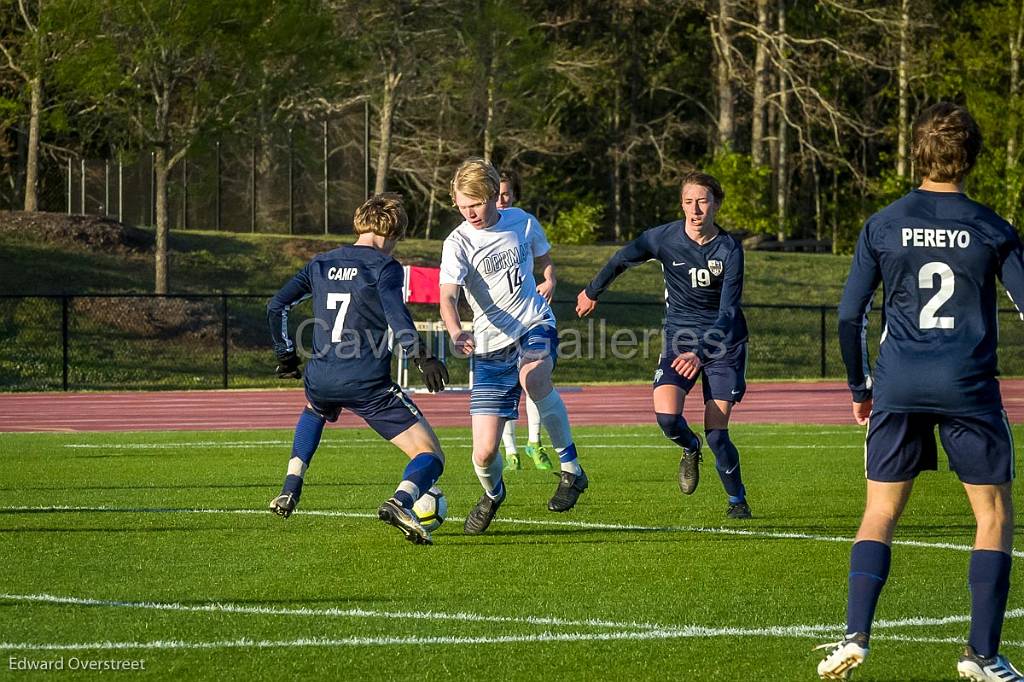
(490, 476)
(533, 417)
(508, 437)
(555, 420)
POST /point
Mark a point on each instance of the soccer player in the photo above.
(508, 194)
(357, 295)
(491, 255)
(705, 330)
(937, 255)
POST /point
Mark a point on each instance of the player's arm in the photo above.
(632, 254)
(298, 289)
(547, 268)
(1011, 271)
(389, 286)
(865, 276)
(454, 269)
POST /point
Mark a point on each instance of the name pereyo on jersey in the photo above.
(504, 259)
(342, 273)
(936, 237)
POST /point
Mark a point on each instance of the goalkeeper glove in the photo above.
(435, 374)
(288, 366)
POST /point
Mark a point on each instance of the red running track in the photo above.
(765, 403)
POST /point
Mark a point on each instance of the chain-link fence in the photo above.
(306, 177)
(144, 342)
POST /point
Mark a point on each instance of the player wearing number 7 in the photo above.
(357, 296)
(937, 255)
(705, 331)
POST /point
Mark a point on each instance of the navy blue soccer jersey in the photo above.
(937, 256)
(703, 286)
(357, 295)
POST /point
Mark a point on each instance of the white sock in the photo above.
(555, 419)
(296, 467)
(508, 437)
(490, 476)
(533, 417)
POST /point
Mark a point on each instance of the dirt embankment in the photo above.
(87, 231)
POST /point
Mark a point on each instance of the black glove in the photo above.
(435, 374)
(288, 366)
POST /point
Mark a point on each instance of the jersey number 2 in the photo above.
(926, 280)
(340, 303)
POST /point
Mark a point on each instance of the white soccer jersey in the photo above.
(495, 266)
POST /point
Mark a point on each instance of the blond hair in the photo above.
(383, 215)
(477, 179)
(946, 142)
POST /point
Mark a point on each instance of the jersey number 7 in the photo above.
(333, 301)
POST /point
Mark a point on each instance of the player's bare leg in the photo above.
(989, 579)
(668, 410)
(727, 457)
(487, 463)
(869, 569)
(535, 377)
(426, 462)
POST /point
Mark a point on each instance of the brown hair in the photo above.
(947, 142)
(477, 179)
(704, 180)
(383, 215)
(512, 178)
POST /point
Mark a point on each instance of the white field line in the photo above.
(583, 525)
(345, 442)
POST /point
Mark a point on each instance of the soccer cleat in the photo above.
(284, 504)
(843, 657)
(971, 666)
(393, 513)
(480, 517)
(512, 462)
(689, 468)
(739, 510)
(570, 487)
(539, 456)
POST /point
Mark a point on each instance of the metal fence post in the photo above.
(824, 366)
(69, 185)
(291, 183)
(184, 193)
(252, 189)
(224, 337)
(120, 192)
(83, 186)
(152, 188)
(106, 187)
(64, 301)
(366, 149)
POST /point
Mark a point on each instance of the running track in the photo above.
(765, 403)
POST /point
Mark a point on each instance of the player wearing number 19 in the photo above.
(705, 330)
(937, 255)
(357, 294)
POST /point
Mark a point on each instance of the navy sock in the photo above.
(307, 435)
(869, 569)
(989, 579)
(293, 485)
(676, 430)
(727, 462)
(421, 472)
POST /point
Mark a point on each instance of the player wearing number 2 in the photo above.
(937, 255)
(357, 296)
(705, 331)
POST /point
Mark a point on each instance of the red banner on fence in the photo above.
(421, 284)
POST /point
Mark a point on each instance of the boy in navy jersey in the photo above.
(357, 295)
(937, 255)
(705, 331)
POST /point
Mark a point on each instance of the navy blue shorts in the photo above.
(496, 388)
(900, 445)
(723, 378)
(388, 411)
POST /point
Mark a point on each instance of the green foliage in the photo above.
(578, 225)
(747, 188)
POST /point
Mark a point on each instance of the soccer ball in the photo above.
(431, 508)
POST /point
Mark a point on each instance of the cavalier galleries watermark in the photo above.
(592, 341)
(75, 664)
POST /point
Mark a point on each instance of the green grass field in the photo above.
(156, 547)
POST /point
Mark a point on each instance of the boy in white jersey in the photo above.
(508, 194)
(514, 341)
